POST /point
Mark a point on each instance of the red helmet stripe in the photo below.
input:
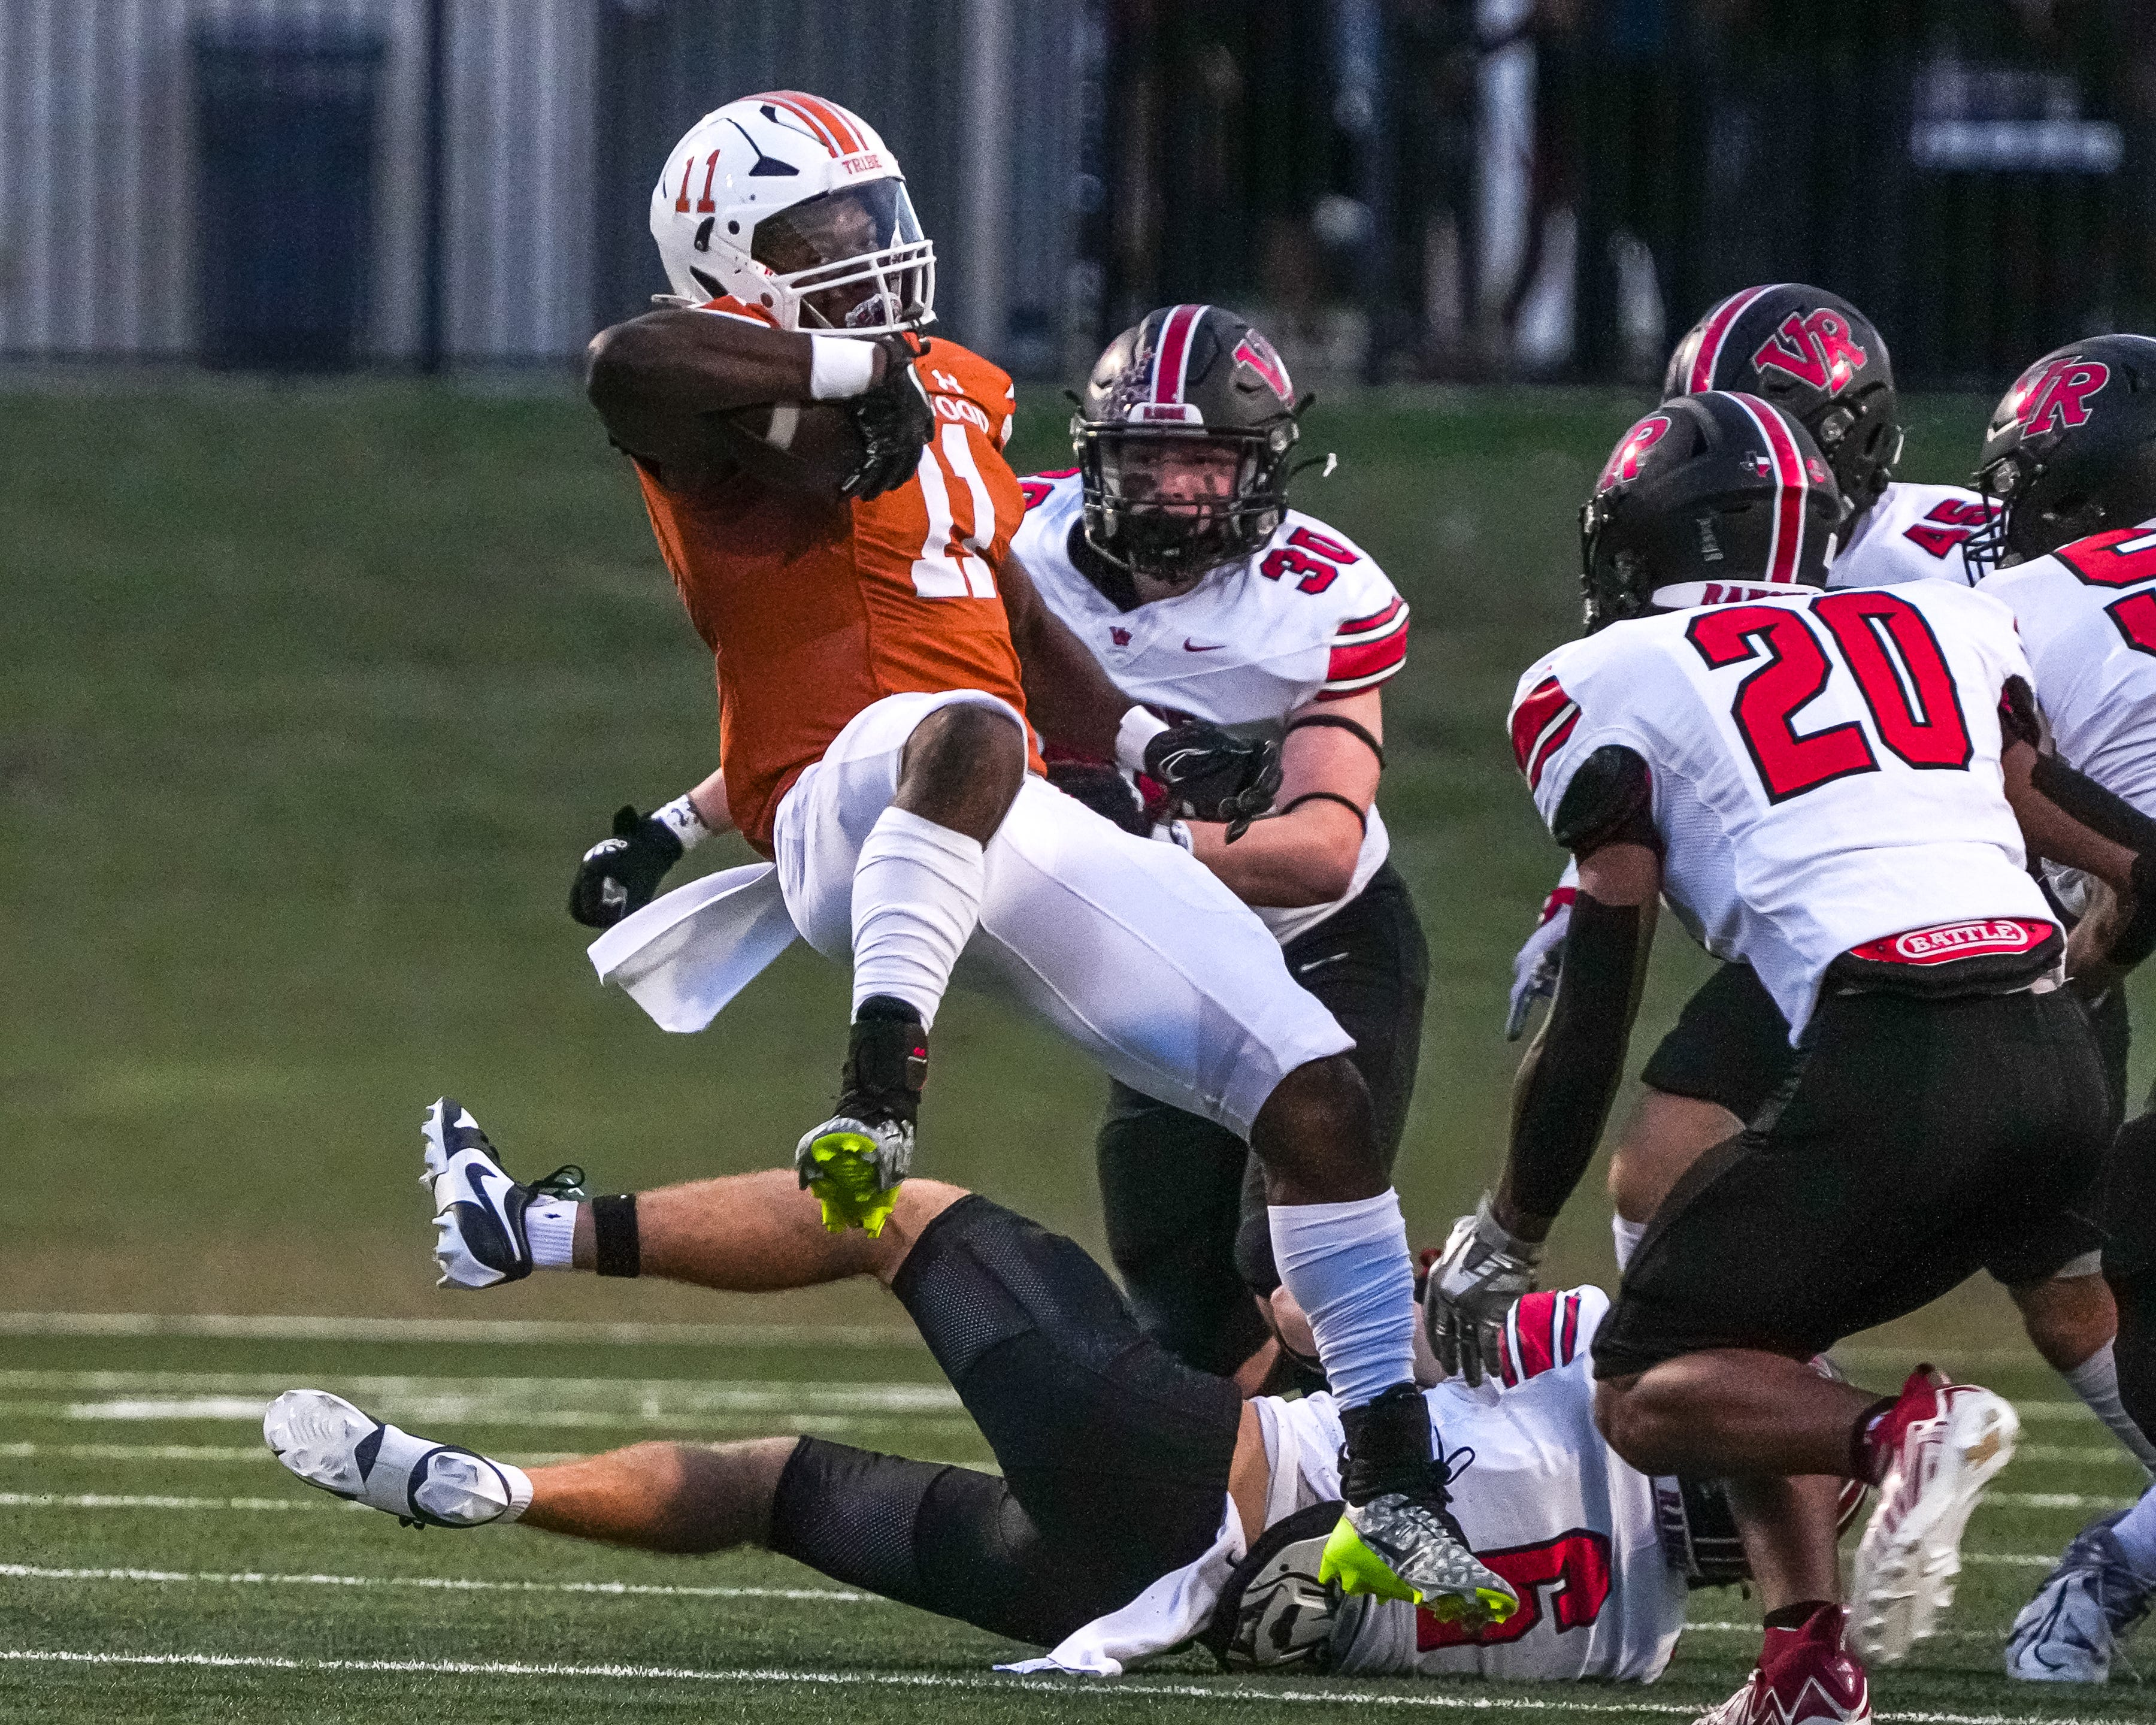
(1785, 550)
(1171, 355)
(1719, 323)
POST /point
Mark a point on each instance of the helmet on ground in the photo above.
(1710, 498)
(1817, 358)
(1184, 436)
(2071, 449)
(794, 206)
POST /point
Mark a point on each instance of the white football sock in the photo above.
(916, 900)
(1628, 1237)
(551, 1227)
(1347, 1266)
(2136, 1530)
(2095, 1380)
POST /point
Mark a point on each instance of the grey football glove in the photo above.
(1535, 968)
(1473, 1284)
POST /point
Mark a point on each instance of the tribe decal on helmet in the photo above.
(793, 207)
(1817, 358)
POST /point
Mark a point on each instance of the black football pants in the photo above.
(1185, 1200)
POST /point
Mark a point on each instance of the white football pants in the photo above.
(1130, 948)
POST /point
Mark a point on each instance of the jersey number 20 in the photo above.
(1881, 641)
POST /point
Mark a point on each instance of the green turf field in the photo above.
(312, 696)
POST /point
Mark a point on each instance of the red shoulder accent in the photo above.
(1540, 725)
(1569, 1332)
(1533, 1318)
(1363, 664)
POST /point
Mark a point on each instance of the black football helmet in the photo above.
(1187, 374)
(1817, 358)
(1709, 498)
(2071, 451)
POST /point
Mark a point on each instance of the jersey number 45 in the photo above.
(1883, 642)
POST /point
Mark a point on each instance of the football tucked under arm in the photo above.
(796, 446)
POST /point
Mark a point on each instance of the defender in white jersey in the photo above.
(1140, 1503)
(1823, 785)
(1170, 551)
(2072, 453)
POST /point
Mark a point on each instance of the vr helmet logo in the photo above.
(2057, 398)
(1817, 350)
(1623, 463)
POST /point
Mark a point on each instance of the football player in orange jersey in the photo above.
(877, 652)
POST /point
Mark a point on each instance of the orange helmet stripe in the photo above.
(831, 124)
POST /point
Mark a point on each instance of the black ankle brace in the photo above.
(1387, 1446)
(887, 1056)
(614, 1236)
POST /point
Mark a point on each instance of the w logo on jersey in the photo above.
(1257, 353)
(2056, 397)
(1816, 349)
(1623, 463)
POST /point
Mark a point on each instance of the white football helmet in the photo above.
(791, 203)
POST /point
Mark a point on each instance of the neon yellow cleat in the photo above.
(843, 1163)
(1398, 1548)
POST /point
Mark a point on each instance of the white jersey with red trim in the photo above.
(1826, 773)
(1913, 533)
(1546, 1503)
(2088, 614)
(1309, 617)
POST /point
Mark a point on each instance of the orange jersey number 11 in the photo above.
(952, 565)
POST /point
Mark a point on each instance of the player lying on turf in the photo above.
(881, 660)
(1141, 1502)
(1842, 790)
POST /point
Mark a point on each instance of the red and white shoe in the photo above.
(1803, 1678)
(1942, 1443)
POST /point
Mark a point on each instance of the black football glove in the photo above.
(895, 421)
(1105, 791)
(1210, 775)
(621, 874)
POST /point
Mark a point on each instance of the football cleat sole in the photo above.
(325, 1441)
(1450, 1581)
(1908, 1559)
(841, 1162)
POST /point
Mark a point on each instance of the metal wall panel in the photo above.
(559, 113)
(97, 166)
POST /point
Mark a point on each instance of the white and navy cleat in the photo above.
(1949, 1441)
(479, 1208)
(2086, 1609)
(325, 1441)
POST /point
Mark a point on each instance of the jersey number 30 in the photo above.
(1881, 641)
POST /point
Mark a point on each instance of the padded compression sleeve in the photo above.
(1571, 1074)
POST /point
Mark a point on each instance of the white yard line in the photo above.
(1349, 1694)
(215, 1452)
(456, 1330)
(624, 1589)
(712, 1390)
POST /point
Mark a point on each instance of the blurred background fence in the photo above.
(1408, 187)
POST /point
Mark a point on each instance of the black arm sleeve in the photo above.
(1610, 800)
(1571, 1073)
(2110, 816)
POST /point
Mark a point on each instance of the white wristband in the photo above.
(680, 819)
(1175, 833)
(840, 366)
(1139, 727)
